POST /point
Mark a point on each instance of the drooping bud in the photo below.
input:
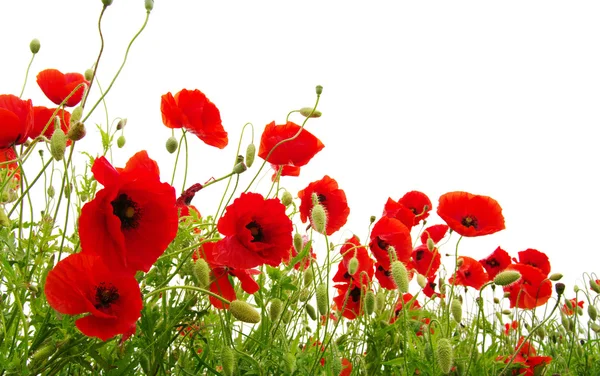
(319, 218)
(507, 277)
(322, 299)
(227, 360)
(319, 89)
(430, 244)
(555, 277)
(496, 300)
(308, 112)
(121, 124)
(353, 266)
(594, 286)
(202, 272)
(58, 144)
(444, 355)
(43, 354)
(309, 276)
(400, 276)
(275, 309)
(564, 320)
(172, 144)
(298, 242)
(149, 4)
(76, 115)
(456, 310)
(595, 327)
(50, 191)
(559, 288)
(311, 312)
(286, 199)
(369, 302)
(421, 281)
(107, 2)
(34, 46)
(592, 312)
(121, 141)
(88, 74)
(244, 312)
(76, 132)
(250, 154)
(239, 168)
(304, 295)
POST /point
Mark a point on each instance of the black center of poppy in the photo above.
(420, 255)
(347, 275)
(256, 231)
(106, 295)
(355, 294)
(322, 197)
(127, 211)
(467, 274)
(387, 273)
(493, 263)
(469, 221)
(414, 211)
(382, 244)
(432, 285)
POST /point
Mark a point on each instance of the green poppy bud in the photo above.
(250, 155)
(289, 361)
(308, 112)
(430, 244)
(121, 124)
(172, 144)
(76, 115)
(309, 276)
(58, 144)
(34, 46)
(149, 4)
(298, 242)
(400, 276)
(121, 141)
(4, 221)
(592, 312)
(555, 277)
(244, 312)
(444, 355)
(227, 360)
(275, 309)
(319, 218)
(421, 281)
(88, 74)
(369, 302)
(311, 312)
(456, 310)
(107, 2)
(76, 131)
(286, 199)
(507, 277)
(202, 272)
(322, 299)
(353, 266)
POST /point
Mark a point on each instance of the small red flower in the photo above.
(6, 168)
(429, 289)
(471, 215)
(574, 304)
(390, 232)
(469, 273)
(348, 301)
(82, 283)
(57, 86)
(418, 203)
(426, 262)
(406, 300)
(16, 118)
(346, 367)
(133, 219)
(257, 232)
(536, 259)
(364, 274)
(331, 197)
(510, 327)
(496, 262)
(435, 232)
(193, 111)
(43, 122)
(531, 290)
(297, 152)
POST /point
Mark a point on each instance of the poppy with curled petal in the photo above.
(16, 120)
(393, 209)
(470, 273)
(43, 121)
(82, 283)
(471, 215)
(133, 219)
(364, 273)
(426, 262)
(193, 111)
(331, 197)
(435, 232)
(418, 203)
(57, 86)
(257, 232)
(390, 232)
(532, 290)
(536, 259)
(348, 300)
(297, 152)
(429, 289)
(496, 262)
(286, 170)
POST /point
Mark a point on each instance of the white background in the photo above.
(494, 98)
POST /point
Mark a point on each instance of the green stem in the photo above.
(26, 75)
(87, 92)
(186, 287)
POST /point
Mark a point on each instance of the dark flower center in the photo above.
(105, 295)
(382, 244)
(386, 272)
(420, 255)
(469, 221)
(127, 211)
(256, 231)
(493, 263)
(467, 274)
(355, 294)
(347, 276)
(322, 197)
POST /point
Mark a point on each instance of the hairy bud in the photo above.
(400, 276)
(444, 355)
(244, 312)
(322, 299)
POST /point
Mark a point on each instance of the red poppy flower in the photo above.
(43, 122)
(257, 232)
(435, 232)
(133, 219)
(6, 155)
(16, 117)
(574, 304)
(406, 300)
(287, 170)
(193, 111)
(471, 215)
(331, 197)
(297, 152)
(418, 203)
(390, 232)
(396, 210)
(536, 259)
(188, 211)
(82, 283)
(384, 276)
(510, 327)
(429, 289)
(348, 301)
(527, 358)
(531, 290)
(496, 262)
(57, 86)
(305, 262)
(346, 367)
(364, 274)
(426, 262)
(469, 273)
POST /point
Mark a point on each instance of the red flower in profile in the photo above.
(193, 111)
(348, 301)
(364, 274)
(82, 283)
(406, 300)
(396, 210)
(569, 311)
(471, 215)
(133, 219)
(331, 197)
(426, 262)
(57, 86)
(531, 290)
(418, 203)
(43, 121)
(6, 155)
(469, 273)
(257, 232)
(297, 152)
(435, 232)
(525, 356)
(286, 170)
(390, 232)
(536, 259)
(429, 289)
(510, 327)
(16, 117)
(496, 262)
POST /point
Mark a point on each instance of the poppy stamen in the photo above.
(255, 231)
(127, 211)
(106, 295)
(469, 221)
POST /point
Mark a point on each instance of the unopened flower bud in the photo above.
(576, 289)
(400, 276)
(275, 309)
(430, 244)
(172, 144)
(564, 320)
(121, 124)
(304, 295)
(308, 112)
(319, 89)
(421, 281)
(353, 266)
(107, 2)
(456, 310)
(507, 277)
(559, 288)
(50, 191)
(43, 354)
(496, 300)
(506, 312)
(202, 272)
(555, 277)
(244, 312)
(298, 242)
(311, 312)
(88, 74)
(58, 144)
(369, 302)
(595, 327)
(594, 286)
(76, 132)
(250, 154)
(286, 199)
(319, 218)
(76, 115)
(4, 221)
(227, 360)
(460, 262)
(592, 312)
(121, 141)
(309, 276)
(372, 219)
(149, 4)
(322, 299)
(444, 355)
(380, 301)
(239, 168)
(34, 46)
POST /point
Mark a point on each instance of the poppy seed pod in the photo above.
(250, 155)
(322, 298)
(244, 312)
(88, 74)
(319, 89)
(319, 218)
(239, 168)
(559, 288)
(444, 355)
(171, 144)
(149, 4)
(400, 276)
(58, 144)
(275, 309)
(308, 112)
(107, 2)
(34, 46)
